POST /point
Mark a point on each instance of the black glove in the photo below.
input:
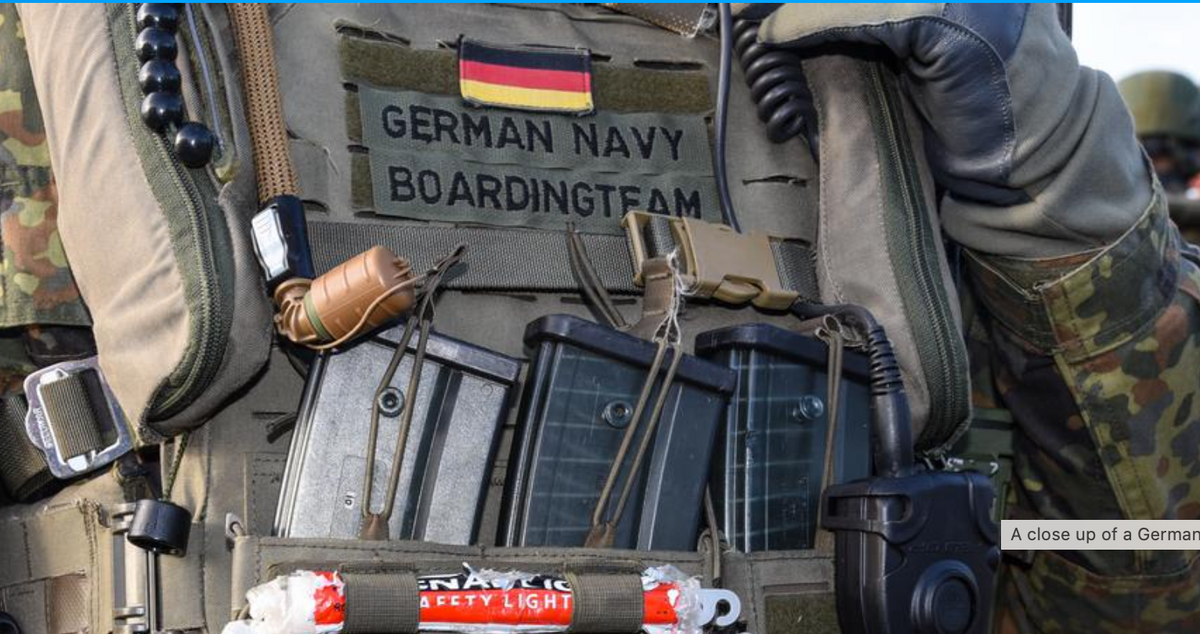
(1012, 120)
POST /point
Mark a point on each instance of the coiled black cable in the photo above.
(777, 85)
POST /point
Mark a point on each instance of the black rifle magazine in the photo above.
(770, 453)
(462, 402)
(579, 396)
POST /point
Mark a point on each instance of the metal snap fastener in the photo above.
(808, 408)
(617, 413)
(391, 402)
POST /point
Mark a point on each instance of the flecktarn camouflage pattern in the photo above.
(1098, 358)
(36, 286)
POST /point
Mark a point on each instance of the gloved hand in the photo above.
(1037, 153)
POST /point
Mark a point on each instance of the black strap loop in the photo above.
(23, 470)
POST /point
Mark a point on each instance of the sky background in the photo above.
(1124, 38)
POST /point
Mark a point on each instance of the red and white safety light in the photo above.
(484, 602)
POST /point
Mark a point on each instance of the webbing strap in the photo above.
(525, 259)
(23, 470)
(499, 259)
(381, 602)
(69, 404)
(605, 602)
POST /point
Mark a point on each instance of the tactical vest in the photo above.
(390, 149)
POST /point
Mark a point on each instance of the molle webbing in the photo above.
(500, 259)
(264, 107)
(616, 89)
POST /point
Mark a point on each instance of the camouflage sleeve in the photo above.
(1097, 356)
(36, 286)
(42, 318)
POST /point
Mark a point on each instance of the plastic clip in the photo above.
(280, 240)
(717, 262)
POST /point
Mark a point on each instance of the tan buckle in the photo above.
(717, 261)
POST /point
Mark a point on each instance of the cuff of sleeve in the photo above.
(1084, 304)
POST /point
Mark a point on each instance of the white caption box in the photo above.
(1100, 535)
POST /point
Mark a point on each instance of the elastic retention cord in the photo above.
(891, 418)
(668, 335)
(264, 107)
(831, 333)
(715, 543)
(603, 533)
(375, 525)
(172, 466)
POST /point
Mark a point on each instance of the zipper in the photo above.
(913, 252)
(210, 313)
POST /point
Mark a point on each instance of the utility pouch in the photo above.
(769, 462)
(160, 252)
(579, 399)
(460, 406)
(879, 243)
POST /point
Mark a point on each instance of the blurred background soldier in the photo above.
(1166, 110)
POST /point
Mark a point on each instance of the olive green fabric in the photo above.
(77, 428)
(1162, 103)
(606, 602)
(57, 556)
(24, 473)
(432, 157)
(650, 142)
(385, 62)
(801, 614)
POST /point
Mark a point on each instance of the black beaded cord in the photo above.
(162, 107)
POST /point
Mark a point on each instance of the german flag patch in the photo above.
(543, 79)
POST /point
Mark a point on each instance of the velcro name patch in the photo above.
(434, 158)
(545, 79)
